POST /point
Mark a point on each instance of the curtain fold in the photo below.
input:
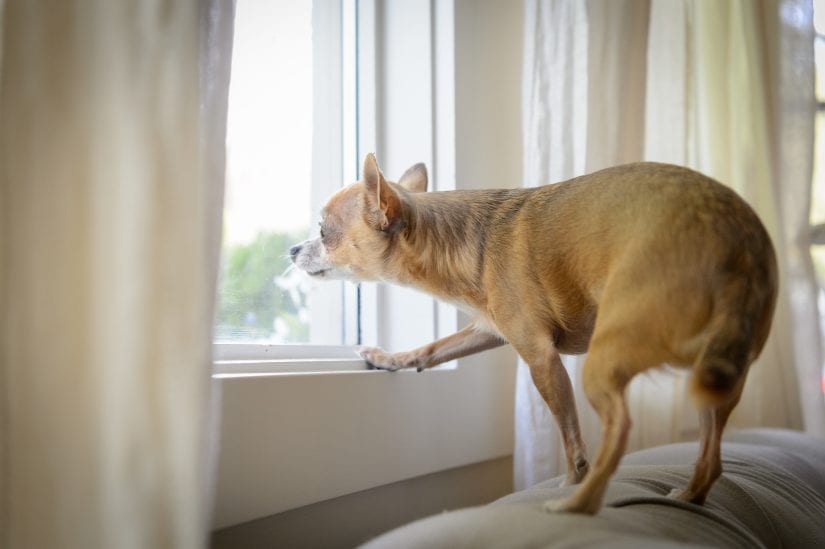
(732, 132)
(110, 184)
(217, 25)
(723, 87)
(791, 58)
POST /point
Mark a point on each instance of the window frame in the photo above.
(347, 60)
(334, 307)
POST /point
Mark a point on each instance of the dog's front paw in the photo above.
(379, 359)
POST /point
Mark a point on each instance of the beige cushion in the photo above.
(772, 494)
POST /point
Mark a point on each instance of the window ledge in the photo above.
(239, 360)
(257, 368)
(240, 352)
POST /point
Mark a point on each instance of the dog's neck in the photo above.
(441, 247)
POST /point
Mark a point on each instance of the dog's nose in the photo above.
(294, 251)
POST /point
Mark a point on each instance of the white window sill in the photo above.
(262, 368)
(236, 352)
(238, 360)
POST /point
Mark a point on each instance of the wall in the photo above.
(488, 65)
(351, 520)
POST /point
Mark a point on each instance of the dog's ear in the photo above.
(415, 178)
(382, 198)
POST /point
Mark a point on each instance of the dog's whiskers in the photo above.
(291, 267)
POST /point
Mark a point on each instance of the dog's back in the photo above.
(659, 250)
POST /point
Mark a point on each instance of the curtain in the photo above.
(725, 88)
(111, 163)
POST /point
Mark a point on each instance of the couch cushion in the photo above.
(771, 494)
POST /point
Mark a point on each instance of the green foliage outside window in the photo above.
(262, 297)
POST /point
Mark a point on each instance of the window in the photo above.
(818, 202)
(290, 128)
(267, 314)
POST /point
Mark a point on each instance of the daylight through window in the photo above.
(270, 196)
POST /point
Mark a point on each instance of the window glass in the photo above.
(268, 193)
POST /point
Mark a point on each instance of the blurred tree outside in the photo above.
(263, 298)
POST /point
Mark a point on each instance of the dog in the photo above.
(638, 265)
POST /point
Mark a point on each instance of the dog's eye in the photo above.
(322, 233)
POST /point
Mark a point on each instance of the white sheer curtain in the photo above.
(723, 87)
(111, 163)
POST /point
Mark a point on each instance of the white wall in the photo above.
(488, 65)
(289, 441)
(351, 520)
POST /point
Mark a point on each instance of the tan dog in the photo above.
(639, 265)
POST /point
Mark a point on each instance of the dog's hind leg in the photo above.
(709, 465)
(553, 383)
(718, 379)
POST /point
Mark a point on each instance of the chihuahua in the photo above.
(638, 265)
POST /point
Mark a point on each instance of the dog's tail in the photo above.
(735, 335)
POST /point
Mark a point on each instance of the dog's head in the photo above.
(358, 223)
